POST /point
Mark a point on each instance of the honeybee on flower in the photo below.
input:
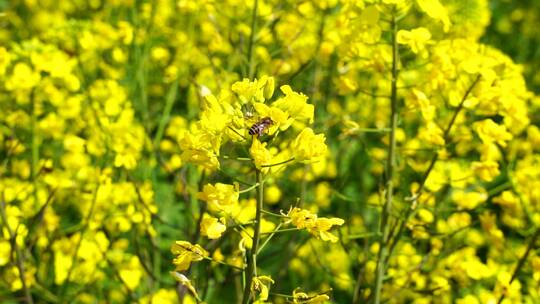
(258, 126)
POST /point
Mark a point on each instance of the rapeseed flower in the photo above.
(220, 197)
(211, 227)
(317, 226)
(186, 253)
(309, 146)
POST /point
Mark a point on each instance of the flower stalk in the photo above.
(521, 262)
(251, 43)
(384, 229)
(252, 257)
(414, 199)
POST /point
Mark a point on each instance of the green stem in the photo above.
(223, 263)
(280, 163)
(251, 43)
(283, 230)
(269, 238)
(84, 228)
(273, 214)
(390, 168)
(361, 235)
(446, 135)
(35, 144)
(373, 130)
(252, 258)
(522, 261)
(169, 102)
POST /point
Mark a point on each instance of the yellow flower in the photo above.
(416, 39)
(272, 195)
(488, 222)
(217, 115)
(254, 91)
(131, 272)
(295, 104)
(261, 284)
(347, 84)
(280, 119)
(419, 100)
(200, 148)
(23, 78)
(186, 253)
(220, 197)
(323, 193)
(5, 59)
(303, 219)
(432, 134)
(507, 199)
(468, 200)
(300, 297)
(468, 299)
(322, 225)
(125, 160)
(486, 170)
(261, 156)
(489, 132)
(308, 145)
(164, 296)
(211, 228)
(5, 252)
(435, 10)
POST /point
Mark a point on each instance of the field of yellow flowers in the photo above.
(270, 151)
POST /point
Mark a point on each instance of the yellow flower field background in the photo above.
(270, 151)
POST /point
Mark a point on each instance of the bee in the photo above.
(260, 127)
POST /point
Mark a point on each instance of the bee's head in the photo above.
(267, 120)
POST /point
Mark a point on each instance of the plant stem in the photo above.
(269, 238)
(279, 163)
(283, 230)
(522, 260)
(251, 43)
(169, 102)
(84, 228)
(446, 135)
(252, 258)
(390, 168)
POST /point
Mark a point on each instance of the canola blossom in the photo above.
(264, 151)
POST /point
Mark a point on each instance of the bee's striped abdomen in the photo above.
(260, 127)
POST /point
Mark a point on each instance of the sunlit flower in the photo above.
(261, 284)
(220, 197)
(435, 10)
(186, 253)
(489, 132)
(416, 39)
(302, 297)
(261, 156)
(211, 228)
(317, 226)
(308, 145)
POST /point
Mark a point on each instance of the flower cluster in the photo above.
(244, 117)
(130, 129)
